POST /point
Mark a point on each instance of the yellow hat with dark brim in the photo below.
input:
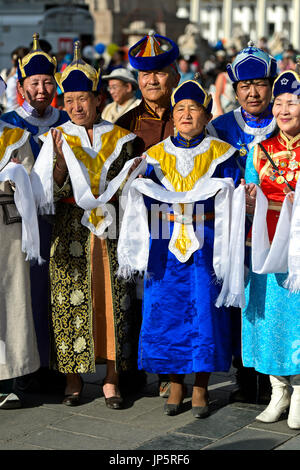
(192, 90)
(36, 62)
(78, 76)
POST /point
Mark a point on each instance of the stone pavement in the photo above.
(45, 424)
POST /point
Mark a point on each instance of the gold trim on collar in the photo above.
(289, 143)
(202, 164)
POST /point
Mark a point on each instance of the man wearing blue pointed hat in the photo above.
(252, 74)
(154, 58)
(91, 309)
(37, 86)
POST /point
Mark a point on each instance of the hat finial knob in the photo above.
(77, 51)
(36, 44)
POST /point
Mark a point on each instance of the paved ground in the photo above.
(44, 423)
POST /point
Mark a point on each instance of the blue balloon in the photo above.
(100, 48)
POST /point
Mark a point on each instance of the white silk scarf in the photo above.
(233, 289)
(25, 204)
(42, 184)
(133, 245)
(282, 256)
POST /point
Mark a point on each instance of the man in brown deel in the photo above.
(154, 57)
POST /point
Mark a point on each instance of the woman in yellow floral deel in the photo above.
(91, 309)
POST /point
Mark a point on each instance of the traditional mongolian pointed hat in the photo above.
(78, 76)
(36, 62)
(252, 63)
(287, 82)
(153, 52)
(192, 90)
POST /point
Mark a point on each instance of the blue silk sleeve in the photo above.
(229, 169)
(251, 175)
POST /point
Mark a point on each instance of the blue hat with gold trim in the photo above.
(252, 63)
(287, 82)
(153, 52)
(78, 76)
(192, 90)
(37, 62)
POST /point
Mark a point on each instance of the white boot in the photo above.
(280, 400)
(294, 413)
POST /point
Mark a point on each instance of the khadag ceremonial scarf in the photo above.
(283, 256)
(11, 139)
(87, 166)
(197, 185)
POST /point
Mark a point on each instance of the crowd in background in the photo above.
(211, 73)
(156, 125)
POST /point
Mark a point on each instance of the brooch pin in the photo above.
(243, 150)
(290, 175)
(293, 165)
(280, 180)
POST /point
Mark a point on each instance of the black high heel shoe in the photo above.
(173, 409)
(200, 411)
(114, 403)
(73, 399)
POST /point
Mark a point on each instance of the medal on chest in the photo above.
(243, 150)
(286, 169)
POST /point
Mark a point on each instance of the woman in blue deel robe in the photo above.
(182, 331)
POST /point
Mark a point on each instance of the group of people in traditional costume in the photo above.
(205, 213)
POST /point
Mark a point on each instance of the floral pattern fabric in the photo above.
(71, 291)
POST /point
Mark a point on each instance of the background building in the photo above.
(225, 19)
(59, 23)
(91, 21)
(123, 22)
